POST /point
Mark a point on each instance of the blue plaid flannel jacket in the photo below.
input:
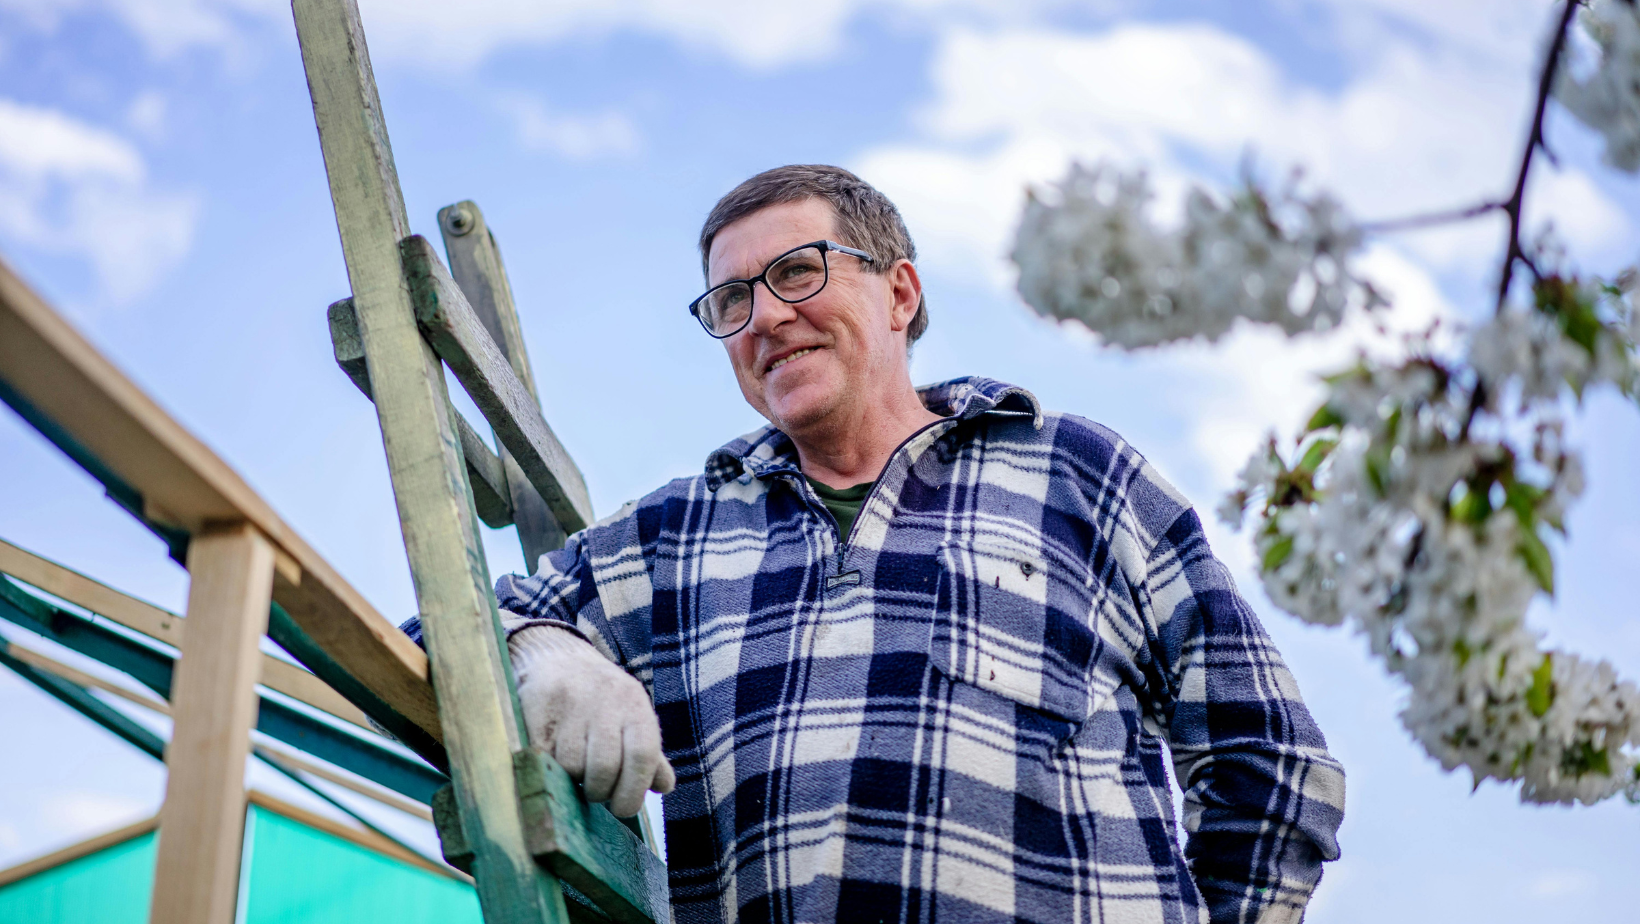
(960, 714)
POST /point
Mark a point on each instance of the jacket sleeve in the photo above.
(555, 595)
(1262, 797)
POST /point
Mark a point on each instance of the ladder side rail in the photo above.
(475, 263)
(484, 469)
(471, 673)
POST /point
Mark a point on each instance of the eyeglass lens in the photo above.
(792, 278)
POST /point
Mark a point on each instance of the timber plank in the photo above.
(462, 629)
(165, 475)
(213, 704)
(587, 846)
(475, 263)
(161, 625)
(484, 469)
(460, 339)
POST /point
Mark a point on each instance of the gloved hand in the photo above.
(592, 717)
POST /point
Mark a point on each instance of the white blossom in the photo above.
(1531, 350)
(1088, 251)
(1609, 100)
(1415, 505)
(1387, 522)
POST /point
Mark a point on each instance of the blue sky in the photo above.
(161, 183)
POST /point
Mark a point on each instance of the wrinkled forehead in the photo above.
(742, 248)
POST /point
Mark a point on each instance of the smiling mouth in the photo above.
(788, 358)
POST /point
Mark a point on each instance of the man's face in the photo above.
(799, 365)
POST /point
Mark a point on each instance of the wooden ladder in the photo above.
(511, 817)
(508, 815)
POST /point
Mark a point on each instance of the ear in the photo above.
(905, 294)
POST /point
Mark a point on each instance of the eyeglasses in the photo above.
(794, 276)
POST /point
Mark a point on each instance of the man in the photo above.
(915, 655)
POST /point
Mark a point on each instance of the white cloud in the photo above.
(72, 188)
(1414, 131)
(577, 136)
(1418, 126)
(165, 26)
(433, 33)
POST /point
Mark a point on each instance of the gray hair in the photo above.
(865, 218)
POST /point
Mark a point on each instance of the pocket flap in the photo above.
(999, 625)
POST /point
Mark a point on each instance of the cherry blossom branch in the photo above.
(1534, 141)
(1415, 222)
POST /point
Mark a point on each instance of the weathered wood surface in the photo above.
(213, 706)
(475, 264)
(469, 663)
(460, 338)
(484, 470)
(160, 625)
(170, 477)
(587, 846)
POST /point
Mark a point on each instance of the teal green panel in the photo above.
(110, 886)
(302, 876)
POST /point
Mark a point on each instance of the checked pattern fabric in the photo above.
(965, 713)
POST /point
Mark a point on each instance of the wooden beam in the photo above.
(73, 675)
(472, 675)
(163, 473)
(295, 761)
(484, 469)
(587, 846)
(73, 852)
(461, 340)
(367, 755)
(475, 264)
(213, 701)
(167, 627)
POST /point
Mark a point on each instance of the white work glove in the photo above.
(589, 715)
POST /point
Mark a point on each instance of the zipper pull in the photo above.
(845, 579)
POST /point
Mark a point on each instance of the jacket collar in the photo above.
(768, 451)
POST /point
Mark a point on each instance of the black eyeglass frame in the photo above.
(824, 247)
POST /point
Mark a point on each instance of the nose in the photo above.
(768, 312)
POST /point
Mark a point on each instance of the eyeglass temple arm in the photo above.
(833, 245)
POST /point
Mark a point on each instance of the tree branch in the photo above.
(1413, 222)
(1534, 141)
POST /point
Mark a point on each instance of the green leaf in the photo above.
(1278, 553)
(1324, 416)
(1315, 455)
(1377, 460)
(1461, 649)
(1542, 693)
(1523, 499)
(1472, 506)
(1584, 759)
(1538, 560)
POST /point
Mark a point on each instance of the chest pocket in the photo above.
(1014, 623)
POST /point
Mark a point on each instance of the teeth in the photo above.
(788, 359)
